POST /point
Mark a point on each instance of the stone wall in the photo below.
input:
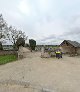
(8, 52)
(78, 51)
(23, 52)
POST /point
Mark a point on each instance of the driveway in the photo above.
(34, 74)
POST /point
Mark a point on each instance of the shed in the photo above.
(68, 46)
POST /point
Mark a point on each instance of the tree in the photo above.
(26, 45)
(3, 26)
(1, 47)
(15, 34)
(10, 33)
(32, 44)
(20, 42)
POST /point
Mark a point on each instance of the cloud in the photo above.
(49, 38)
(73, 34)
(46, 21)
(25, 7)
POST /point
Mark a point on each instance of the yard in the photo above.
(57, 75)
(7, 58)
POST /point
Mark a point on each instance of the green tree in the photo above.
(20, 42)
(1, 47)
(32, 44)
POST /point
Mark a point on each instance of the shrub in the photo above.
(1, 47)
(20, 42)
(32, 44)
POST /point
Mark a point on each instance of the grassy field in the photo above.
(7, 58)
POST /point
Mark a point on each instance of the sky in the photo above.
(46, 21)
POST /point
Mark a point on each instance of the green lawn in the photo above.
(7, 58)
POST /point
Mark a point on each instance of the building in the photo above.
(6, 44)
(68, 46)
(7, 47)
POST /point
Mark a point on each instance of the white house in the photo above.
(7, 45)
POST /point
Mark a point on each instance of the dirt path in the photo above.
(61, 75)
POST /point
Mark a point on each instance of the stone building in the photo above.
(68, 46)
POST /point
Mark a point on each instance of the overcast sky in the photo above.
(47, 21)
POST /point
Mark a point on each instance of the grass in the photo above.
(7, 58)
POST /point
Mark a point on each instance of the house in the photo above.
(68, 46)
(6, 44)
(7, 47)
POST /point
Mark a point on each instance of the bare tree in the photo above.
(15, 34)
(3, 26)
(10, 33)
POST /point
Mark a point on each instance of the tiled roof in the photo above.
(74, 43)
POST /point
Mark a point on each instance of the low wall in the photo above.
(8, 52)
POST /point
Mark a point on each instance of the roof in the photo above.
(74, 43)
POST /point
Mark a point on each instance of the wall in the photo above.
(23, 52)
(67, 49)
(7, 47)
(78, 50)
(7, 52)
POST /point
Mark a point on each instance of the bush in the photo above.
(1, 47)
(32, 44)
(20, 42)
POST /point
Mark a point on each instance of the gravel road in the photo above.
(33, 74)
